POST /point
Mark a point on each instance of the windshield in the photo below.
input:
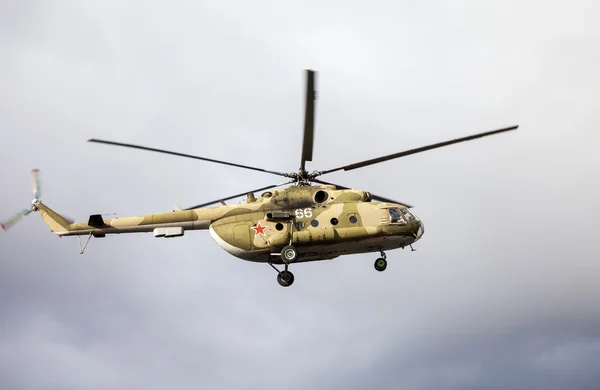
(408, 215)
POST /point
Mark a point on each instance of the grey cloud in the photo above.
(502, 290)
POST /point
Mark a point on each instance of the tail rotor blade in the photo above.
(35, 183)
(5, 225)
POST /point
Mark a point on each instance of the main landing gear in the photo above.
(381, 263)
(289, 254)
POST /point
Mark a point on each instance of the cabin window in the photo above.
(314, 223)
(334, 221)
(353, 218)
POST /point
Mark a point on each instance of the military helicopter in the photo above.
(299, 223)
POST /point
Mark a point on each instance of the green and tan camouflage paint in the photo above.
(246, 231)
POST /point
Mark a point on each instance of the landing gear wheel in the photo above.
(380, 264)
(289, 254)
(285, 278)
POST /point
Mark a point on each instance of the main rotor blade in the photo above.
(309, 119)
(374, 196)
(417, 150)
(236, 196)
(184, 155)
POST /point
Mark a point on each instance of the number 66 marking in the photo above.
(306, 213)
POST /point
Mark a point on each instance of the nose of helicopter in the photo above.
(420, 230)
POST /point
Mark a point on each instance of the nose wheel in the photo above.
(381, 263)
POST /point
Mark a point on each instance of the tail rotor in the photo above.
(35, 186)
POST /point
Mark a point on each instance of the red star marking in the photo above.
(259, 229)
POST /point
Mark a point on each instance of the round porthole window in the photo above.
(334, 221)
(353, 219)
(314, 223)
(279, 226)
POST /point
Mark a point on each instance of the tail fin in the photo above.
(57, 223)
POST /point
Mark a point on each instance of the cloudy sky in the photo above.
(502, 292)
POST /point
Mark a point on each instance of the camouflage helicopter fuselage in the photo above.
(320, 221)
(296, 224)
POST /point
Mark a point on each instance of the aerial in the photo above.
(500, 289)
(305, 223)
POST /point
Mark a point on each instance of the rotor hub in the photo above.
(302, 177)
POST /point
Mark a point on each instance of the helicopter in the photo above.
(300, 220)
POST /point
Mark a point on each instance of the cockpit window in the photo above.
(408, 215)
(396, 216)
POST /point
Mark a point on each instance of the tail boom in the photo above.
(84, 229)
(96, 226)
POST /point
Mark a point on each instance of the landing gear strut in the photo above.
(289, 254)
(381, 263)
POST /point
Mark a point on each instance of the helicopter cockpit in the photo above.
(401, 216)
